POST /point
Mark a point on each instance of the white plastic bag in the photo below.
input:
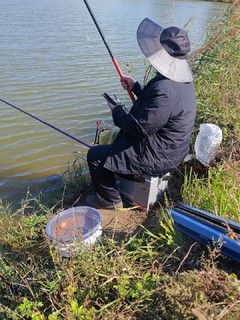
(207, 142)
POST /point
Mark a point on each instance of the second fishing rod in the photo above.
(46, 123)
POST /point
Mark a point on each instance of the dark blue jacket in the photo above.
(155, 135)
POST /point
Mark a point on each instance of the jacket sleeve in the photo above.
(137, 89)
(147, 116)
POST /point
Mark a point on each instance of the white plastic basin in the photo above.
(74, 229)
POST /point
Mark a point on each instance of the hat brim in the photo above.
(148, 37)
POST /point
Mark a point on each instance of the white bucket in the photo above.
(74, 229)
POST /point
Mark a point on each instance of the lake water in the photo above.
(54, 65)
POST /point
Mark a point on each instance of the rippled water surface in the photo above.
(54, 65)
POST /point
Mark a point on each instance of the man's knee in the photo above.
(98, 154)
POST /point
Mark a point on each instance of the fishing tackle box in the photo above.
(142, 190)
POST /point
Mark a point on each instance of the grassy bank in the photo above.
(217, 84)
(153, 274)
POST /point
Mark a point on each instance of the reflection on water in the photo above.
(54, 65)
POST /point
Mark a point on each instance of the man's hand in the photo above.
(111, 106)
(127, 81)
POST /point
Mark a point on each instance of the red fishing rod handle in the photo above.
(121, 76)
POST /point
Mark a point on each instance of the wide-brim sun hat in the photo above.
(166, 49)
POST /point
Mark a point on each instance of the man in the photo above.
(155, 135)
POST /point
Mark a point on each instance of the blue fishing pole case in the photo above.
(208, 228)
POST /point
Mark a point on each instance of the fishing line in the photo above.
(47, 124)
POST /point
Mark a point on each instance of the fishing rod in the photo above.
(114, 60)
(47, 124)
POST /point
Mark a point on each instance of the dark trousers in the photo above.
(104, 181)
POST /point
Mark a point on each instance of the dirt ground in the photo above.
(118, 222)
(123, 223)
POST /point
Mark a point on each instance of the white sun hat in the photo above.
(166, 49)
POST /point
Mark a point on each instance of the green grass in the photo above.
(157, 273)
(217, 82)
(217, 193)
(216, 69)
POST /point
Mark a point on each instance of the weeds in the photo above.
(217, 193)
(135, 279)
(76, 183)
(217, 80)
